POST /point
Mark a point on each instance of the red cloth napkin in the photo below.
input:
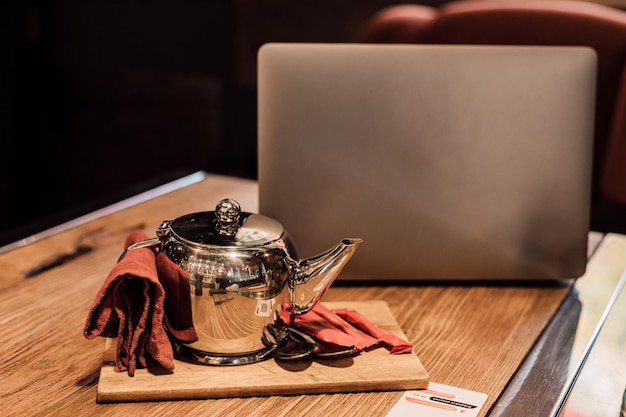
(144, 293)
(397, 344)
(342, 327)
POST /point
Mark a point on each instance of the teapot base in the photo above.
(201, 357)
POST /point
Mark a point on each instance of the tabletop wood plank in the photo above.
(470, 336)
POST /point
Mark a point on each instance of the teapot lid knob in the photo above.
(227, 212)
(226, 226)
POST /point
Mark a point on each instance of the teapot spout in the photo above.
(314, 275)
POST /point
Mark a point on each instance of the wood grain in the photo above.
(470, 336)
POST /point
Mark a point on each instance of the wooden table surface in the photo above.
(469, 336)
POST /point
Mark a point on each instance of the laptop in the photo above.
(450, 162)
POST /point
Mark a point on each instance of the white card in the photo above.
(439, 401)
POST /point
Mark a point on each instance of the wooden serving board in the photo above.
(374, 370)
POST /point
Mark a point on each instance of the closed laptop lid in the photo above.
(451, 162)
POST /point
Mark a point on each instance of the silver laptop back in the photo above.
(451, 162)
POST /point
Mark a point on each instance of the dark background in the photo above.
(102, 99)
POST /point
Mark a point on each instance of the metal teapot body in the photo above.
(242, 268)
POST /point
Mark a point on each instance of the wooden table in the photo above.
(470, 336)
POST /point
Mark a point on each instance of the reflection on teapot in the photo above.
(242, 268)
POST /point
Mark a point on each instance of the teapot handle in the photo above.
(150, 243)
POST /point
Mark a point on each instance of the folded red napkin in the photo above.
(397, 344)
(144, 294)
(342, 327)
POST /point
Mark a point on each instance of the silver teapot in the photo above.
(243, 268)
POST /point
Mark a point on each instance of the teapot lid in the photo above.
(227, 226)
